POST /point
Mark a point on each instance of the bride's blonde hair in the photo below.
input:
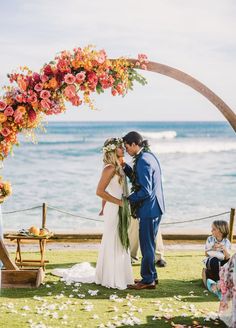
(110, 156)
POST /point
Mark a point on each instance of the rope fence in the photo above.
(45, 207)
(92, 219)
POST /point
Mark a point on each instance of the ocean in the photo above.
(198, 161)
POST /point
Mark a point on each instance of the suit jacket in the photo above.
(150, 194)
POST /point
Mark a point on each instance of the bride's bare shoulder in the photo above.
(109, 169)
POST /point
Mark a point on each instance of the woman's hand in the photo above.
(122, 161)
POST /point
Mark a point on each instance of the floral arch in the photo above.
(74, 76)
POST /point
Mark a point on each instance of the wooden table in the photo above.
(18, 257)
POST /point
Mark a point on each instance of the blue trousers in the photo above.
(148, 229)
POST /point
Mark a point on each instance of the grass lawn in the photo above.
(178, 301)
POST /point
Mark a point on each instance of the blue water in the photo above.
(63, 168)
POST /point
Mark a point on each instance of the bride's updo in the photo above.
(110, 157)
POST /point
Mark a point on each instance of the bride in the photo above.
(113, 269)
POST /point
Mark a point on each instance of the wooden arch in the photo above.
(12, 274)
(196, 85)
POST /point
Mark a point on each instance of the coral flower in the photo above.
(32, 99)
(80, 77)
(5, 132)
(69, 78)
(19, 98)
(9, 111)
(70, 91)
(3, 118)
(92, 78)
(45, 104)
(76, 101)
(2, 105)
(18, 116)
(45, 94)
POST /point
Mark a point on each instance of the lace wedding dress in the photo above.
(113, 269)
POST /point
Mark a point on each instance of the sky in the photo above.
(195, 36)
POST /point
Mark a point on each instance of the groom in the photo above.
(148, 198)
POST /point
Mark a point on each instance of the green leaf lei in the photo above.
(135, 185)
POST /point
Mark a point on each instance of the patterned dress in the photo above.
(228, 290)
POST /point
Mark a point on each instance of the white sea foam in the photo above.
(193, 147)
(159, 135)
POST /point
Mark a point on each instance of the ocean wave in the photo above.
(159, 135)
(193, 147)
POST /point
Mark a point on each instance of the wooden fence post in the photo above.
(231, 224)
(44, 215)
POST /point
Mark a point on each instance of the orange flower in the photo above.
(21, 109)
(75, 63)
(22, 83)
(52, 83)
(3, 118)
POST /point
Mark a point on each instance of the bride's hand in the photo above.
(122, 161)
(121, 203)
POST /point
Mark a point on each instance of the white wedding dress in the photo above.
(113, 269)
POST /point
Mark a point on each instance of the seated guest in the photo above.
(217, 250)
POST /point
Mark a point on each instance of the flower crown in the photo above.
(115, 142)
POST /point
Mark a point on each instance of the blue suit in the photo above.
(151, 207)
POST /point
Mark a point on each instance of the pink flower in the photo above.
(63, 66)
(32, 99)
(80, 77)
(19, 98)
(5, 132)
(38, 87)
(92, 78)
(101, 57)
(142, 58)
(45, 104)
(75, 101)
(107, 83)
(32, 115)
(69, 78)
(18, 116)
(119, 89)
(44, 78)
(45, 94)
(9, 111)
(114, 92)
(2, 105)
(70, 91)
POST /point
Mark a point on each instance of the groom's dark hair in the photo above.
(133, 137)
